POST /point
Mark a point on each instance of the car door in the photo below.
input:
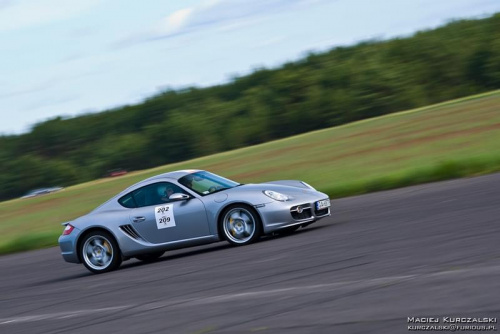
(160, 220)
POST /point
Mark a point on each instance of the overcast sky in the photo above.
(62, 57)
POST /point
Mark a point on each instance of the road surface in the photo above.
(425, 251)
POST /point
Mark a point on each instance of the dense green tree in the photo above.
(325, 89)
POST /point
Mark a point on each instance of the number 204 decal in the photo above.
(165, 216)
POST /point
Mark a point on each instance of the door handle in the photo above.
(138, 219)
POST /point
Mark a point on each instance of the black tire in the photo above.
(240, 224)
(149, 257)
(99, 252)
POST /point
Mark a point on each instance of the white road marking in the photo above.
(59, 315)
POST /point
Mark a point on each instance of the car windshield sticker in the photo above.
(165, 216)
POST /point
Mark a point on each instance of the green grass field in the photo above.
(449, 140)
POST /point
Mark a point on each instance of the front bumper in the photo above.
(278, 215)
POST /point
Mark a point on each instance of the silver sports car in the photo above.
(186, 208)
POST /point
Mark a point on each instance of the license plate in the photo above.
(323, 204)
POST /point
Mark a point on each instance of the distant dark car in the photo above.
(41, 191)
(116, 172)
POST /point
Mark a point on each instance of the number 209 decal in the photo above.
(165, 216)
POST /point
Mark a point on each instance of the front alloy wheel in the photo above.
(241, 225)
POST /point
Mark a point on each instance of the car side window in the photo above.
(153, 194)
(128, 201)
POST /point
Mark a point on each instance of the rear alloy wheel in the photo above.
(149, 257)
(241, 225)
(99, 252)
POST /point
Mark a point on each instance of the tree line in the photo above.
(321, 90)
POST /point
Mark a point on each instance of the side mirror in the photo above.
(179, 197)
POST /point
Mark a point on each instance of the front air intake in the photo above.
(301, 212)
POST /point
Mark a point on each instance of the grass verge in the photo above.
(442, 171)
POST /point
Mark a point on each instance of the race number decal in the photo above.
(165, 216)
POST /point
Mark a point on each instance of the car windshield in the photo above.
(205, 183)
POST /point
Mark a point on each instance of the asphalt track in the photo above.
(430, 250)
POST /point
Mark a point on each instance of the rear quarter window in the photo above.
(128, 201)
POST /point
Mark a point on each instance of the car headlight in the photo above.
(276, 195)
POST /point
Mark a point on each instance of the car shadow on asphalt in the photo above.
(178, 253)
(182, 253)
(300, 231)
(187, 252)
(61, 279)
(218, 246)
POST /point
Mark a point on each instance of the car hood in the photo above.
(285, 189)
(255, 192)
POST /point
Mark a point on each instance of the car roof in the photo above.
(170, 175)
(173, 175)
